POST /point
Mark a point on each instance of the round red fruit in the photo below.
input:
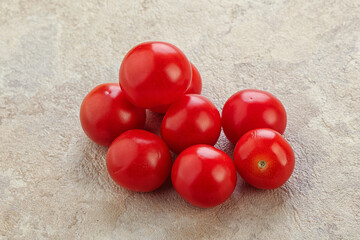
(264, 159)
(204, 176)
(139, 160)
(154, 74)
(105, 113)
(191, 120)
(250, 109)
(196, 83)
(194, 88)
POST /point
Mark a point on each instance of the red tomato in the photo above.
(194, 88)
(191, 120)
(196, 83)
(154, 74)
(105, 113)
(264, 159)
(139, 160)
(204, 176)
(250, 109)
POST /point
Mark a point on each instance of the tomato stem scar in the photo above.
(262, 164)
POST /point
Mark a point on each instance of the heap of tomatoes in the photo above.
(159, 77)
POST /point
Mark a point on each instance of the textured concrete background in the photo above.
(53, 180)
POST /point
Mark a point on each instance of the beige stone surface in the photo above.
(53, 180)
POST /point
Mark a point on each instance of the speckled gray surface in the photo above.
(53, 180)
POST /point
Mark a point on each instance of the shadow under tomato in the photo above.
(153, 122)
(263, 198)
(167, 186)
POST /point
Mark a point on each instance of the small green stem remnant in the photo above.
(262, 164)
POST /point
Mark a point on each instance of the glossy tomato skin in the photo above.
(191, 120)
(250, 109)
(204, 176)
(196, 82)
(154, 74)
(264, 159)
(194, 88)
(139, 160)
(105, 113)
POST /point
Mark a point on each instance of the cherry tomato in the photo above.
(105, 113)
(154, 74)
(194, 88)
(264, 159)
(191, 120)
(250, 109)
(139, 160)
(196, 83)
(204, 176)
